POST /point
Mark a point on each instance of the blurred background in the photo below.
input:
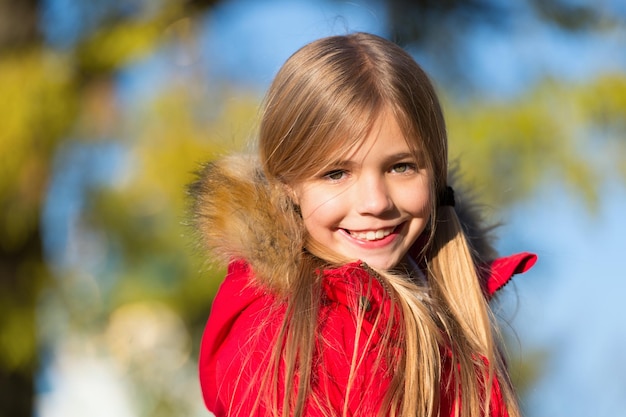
(107, 107)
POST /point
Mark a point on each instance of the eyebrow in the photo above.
(400, 156)
(346, 163)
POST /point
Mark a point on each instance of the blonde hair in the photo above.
(323, 101)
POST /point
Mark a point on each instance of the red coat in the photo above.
(232, 334)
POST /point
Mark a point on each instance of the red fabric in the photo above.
(244, 321)
(499, 272)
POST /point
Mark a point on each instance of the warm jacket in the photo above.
(250, 225)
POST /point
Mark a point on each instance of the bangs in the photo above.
(338, 139)
(327, 97)
(334, 141)
(415, 139)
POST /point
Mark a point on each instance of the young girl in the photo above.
(355, 287)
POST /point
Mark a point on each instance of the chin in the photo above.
(381, 264)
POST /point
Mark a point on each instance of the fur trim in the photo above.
(238, 214)
(479, 234)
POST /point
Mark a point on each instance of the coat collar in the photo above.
(499, 272)
(356, 277)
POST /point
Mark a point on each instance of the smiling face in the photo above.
(372, 204)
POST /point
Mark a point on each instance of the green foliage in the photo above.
(562, 133)
(37, 107)
(141, 224)
(114, 46)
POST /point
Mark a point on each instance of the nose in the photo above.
(372, 196)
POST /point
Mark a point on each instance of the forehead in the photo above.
(384, 136)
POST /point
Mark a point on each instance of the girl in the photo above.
(353, 288)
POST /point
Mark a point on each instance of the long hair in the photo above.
(322, 102)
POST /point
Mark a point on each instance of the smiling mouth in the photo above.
(371, 235)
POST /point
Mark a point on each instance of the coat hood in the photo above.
(238, 214)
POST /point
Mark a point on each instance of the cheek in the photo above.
(417, 203)
(317, 208)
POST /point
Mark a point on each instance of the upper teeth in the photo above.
(372, 234)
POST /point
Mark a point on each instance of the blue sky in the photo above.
(569, 304)
(247, 41)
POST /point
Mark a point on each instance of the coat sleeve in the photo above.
(448, 401)
(234, 345)
(238, 339)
